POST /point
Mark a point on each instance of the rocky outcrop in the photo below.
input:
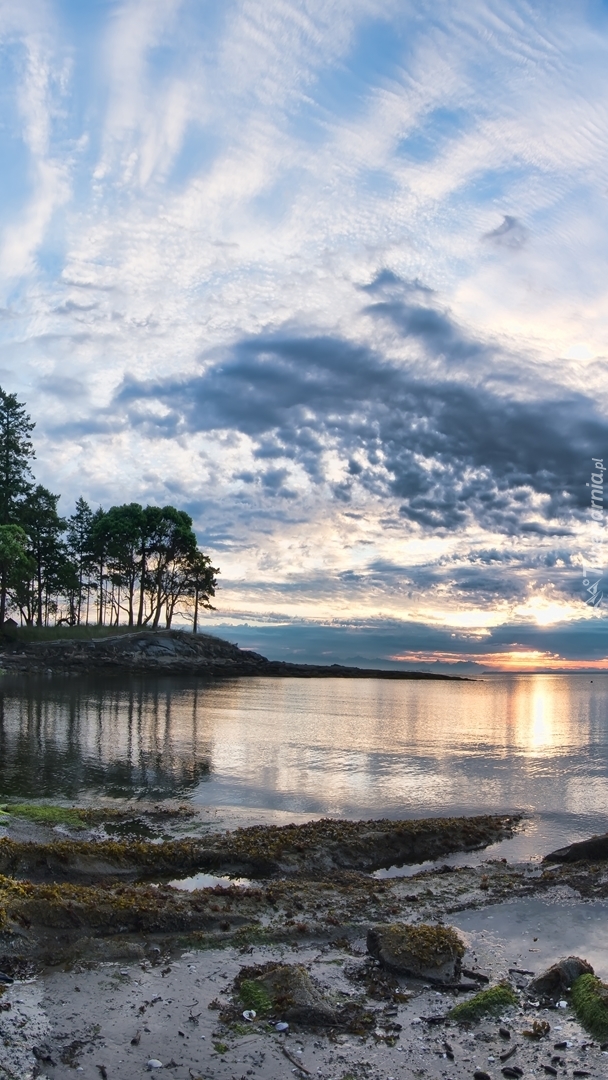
(316, 847)
(144, 651)
(171, 652)
(596, 848)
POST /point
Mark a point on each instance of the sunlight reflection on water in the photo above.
(291, 749)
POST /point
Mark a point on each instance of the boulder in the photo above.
(424, 952)
(596, 849)
(559, 978)
(285, 990)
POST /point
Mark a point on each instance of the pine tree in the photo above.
(16, 450)
(79, 541)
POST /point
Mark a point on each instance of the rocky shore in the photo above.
(310, 965)
(171, 652)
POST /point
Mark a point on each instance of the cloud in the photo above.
(275, 245)
(509, 234)
(448, 450)
(377, 642)
(63, 387)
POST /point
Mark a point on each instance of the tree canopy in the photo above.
(131, 564)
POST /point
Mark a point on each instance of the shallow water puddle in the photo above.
(531, 934)
(208, 881)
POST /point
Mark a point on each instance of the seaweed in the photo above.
(426, 944)
(255, 996)
(590, 1002)
(491, 1002)
(43, 814)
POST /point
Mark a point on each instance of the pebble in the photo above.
(562, 1004)
(154, 1063)
(281, 1026)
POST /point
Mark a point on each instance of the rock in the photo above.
(154, 1063)
(424, 952)
(558, 978)
(287, 990)
(594, 848)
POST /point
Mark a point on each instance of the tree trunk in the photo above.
(142, 579)
(39, 582)
(101, 592)
(3, 591)
(195, 621)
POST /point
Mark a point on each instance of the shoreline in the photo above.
(175, 652)
(109, 963)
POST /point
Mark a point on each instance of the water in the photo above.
(291, 749)
(532, 933)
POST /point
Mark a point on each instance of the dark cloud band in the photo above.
(450, 450)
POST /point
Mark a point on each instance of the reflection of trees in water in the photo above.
(115, 738)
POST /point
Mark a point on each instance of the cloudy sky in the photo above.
(331, 275)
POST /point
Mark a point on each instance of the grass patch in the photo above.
(491, 1002)
(28, 634)
(44, 815)
(590, 1002)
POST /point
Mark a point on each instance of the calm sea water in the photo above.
(289, 749)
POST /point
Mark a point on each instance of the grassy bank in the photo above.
(27, 634)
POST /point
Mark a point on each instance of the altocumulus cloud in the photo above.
(448, 450)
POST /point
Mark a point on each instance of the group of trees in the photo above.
(130, 564)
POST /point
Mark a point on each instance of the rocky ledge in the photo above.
(174, 652)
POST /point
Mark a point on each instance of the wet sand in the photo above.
(105, 1004)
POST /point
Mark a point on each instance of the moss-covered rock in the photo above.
(286, 990)
(590, 1003)
(559, 978)
(422, 951)
(490, 1002)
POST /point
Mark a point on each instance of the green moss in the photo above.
(254, 996)
(590, 1003)
(429, 944)
(45, 815)
(491, 1002)
(220, 1047)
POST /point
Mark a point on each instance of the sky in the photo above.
(330, 275)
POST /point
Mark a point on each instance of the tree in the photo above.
(126, 530)
(15, 565)
(200, 584)
(16, 451)
(79, 548)
(39, 517)
(99, 553)
(172, 540)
